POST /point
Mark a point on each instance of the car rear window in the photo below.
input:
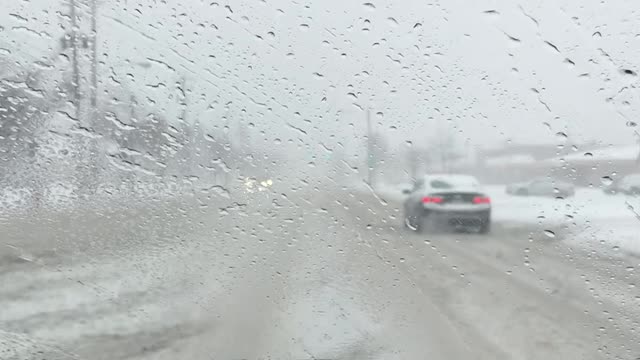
(630, 179)
(453, 181)
(440, 184)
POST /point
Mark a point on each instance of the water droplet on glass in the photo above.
(569, 62)
(514, 40)
(628, 72)
(550, 233)
(606, 180)
(551, 45)
(561, 136)
(409, 225)
(369, 6)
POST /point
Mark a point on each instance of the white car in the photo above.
(542, 187)
(454, 200)
(628, 184)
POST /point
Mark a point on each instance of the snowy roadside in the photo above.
(65, 197)
(590, 219)
(72, 306)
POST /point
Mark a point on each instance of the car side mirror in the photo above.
(406, 191)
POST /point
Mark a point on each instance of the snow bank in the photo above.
(13, 197)
(61, 196)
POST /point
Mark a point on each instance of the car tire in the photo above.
(411, 223)
(428, 223)
(485, 228)
(418, 224)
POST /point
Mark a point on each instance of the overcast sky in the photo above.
(305, 71)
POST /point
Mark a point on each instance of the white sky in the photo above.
(456, 72)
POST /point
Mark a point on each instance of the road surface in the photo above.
(312, 274)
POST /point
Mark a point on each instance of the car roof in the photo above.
(451, 181)
(631, 176)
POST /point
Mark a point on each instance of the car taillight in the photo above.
(481, 200)
(431, 199)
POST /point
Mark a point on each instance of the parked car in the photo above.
(628, 184)
(613, 187)
(451, 200)
(542, 187)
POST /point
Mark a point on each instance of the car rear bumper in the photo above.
(460, 218)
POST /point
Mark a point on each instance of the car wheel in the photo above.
(411, 222)
(485, 228)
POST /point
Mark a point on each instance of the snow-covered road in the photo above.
(318, 274)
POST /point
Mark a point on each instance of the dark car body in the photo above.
(457, 201)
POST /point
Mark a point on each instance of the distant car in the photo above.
(628, 184)
(447, 199)
(613, 187)
(542, 187)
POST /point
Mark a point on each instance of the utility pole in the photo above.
(183, 86)
(74, 58)
(370, 159)
(94, 54)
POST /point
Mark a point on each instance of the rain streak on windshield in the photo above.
(282, 179)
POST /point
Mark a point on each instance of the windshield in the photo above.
(300, 179)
